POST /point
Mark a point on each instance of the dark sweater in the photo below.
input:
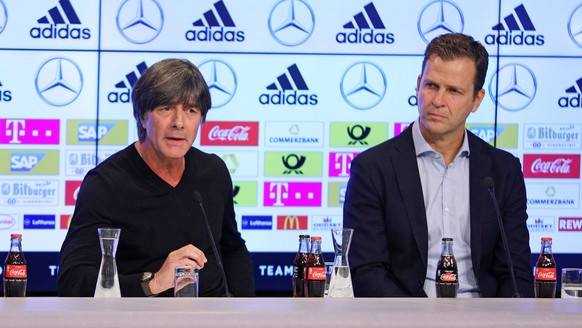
(155, 219)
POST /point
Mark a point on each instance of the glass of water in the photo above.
(186, 281)
(572, 283)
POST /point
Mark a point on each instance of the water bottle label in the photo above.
(15, 271)
(547, 274)
(316, 273)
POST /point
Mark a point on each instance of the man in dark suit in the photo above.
(409, 192)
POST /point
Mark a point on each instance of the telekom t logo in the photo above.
(340, 163)
(292, 194)
(29, 132)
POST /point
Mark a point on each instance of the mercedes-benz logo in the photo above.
(575, 26)
(363, 85)
(221, 81)
(440, 17)
(3, 16)
(291, 22)
(140, 21)
(517, 87)
(59, 81)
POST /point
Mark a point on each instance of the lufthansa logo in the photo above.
(517, 87)
(221, 81)
(140, 21)
(59, 81)
(575, 26)
(363, 85)
(3, 16)
(440, 17)
(291, 22)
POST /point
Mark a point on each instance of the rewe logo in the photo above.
(123, 88)
(287, 91)
(210, 28)
(511, 30)
(5, 95)
(570, 224)
(29, 132)
(573, 100)
(25, 162)
(64, 16)
(368, 28)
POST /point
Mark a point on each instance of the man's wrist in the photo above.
(146, 279)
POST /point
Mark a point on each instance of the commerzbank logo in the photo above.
(59, 81)
(221, 80)
(575, 26)
(291, 22)
(61, 23)
(366, 27)
(299, 164)
(440, 17)
(140, 21)
(216, 25)
(122, 92)
(29, 162)
(89, 132)
(516, 89)
(364, 134)
(516, 29)
(363, 85)
(3, 16)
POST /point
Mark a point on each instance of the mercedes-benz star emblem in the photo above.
(221, 81)
(291, 22)
(3, 16)
(363, 85)
(440, 17)
(59, 81)
(517, 87)
(140, 21)
(575, 26)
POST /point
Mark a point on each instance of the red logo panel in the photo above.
(230, 134)
(71, 191)
(570, 224)
(291, 222)
(553, 166)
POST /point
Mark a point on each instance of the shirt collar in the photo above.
(422, 147)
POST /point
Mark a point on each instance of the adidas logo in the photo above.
(511, 30)
(285, 90)
(216, 25)
(575, 100)
(123, 96)
(64, 16)
(370, 21)
(5, 95)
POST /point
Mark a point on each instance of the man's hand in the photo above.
(187, 255)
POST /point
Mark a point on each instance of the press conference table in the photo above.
(289, 312)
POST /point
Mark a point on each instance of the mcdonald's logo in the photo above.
(292, 222)
(66, 220)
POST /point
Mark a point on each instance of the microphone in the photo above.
(198, 200)
(491, 187)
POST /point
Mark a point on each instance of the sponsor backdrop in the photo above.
(299, 89)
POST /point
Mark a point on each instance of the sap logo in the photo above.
(88, 131)
(513, 34)
(210, 28)
(124, 86)
(573, 101)
(288, 90)
(54, 18)
(373, 35)
(25, 162)
(487, 133)
(5, 95)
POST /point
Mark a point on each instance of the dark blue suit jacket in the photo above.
(384, 204)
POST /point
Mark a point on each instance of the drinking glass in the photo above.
(571, 283)
(186, 281)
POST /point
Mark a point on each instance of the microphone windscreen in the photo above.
(489, 183)
(197, 197)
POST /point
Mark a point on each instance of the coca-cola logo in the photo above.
(230, 134)
(551, 166)
(448, 277)
(15, 271)
(546, 274)
(317, 273)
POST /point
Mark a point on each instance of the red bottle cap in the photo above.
(546, 238)
(316, 238)
(15, 235)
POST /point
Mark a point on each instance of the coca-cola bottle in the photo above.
(545, 271)
(315, 270)
(447, 275)
(299, 266)
(15, 270)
